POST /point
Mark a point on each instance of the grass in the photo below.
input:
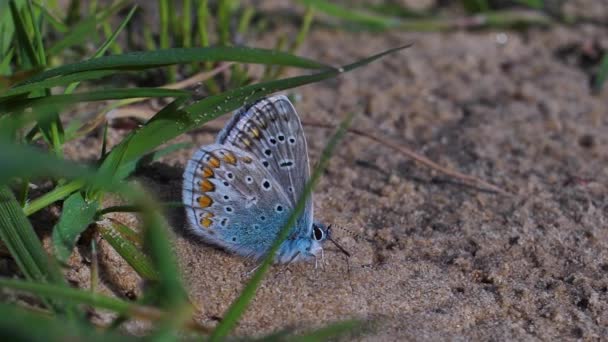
(390, 16)
(49, 67)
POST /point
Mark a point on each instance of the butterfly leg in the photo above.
(249, 273)
(323, 258)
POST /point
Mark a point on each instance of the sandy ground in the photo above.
(433, 259)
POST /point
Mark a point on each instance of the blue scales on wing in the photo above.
(233, 201)
(270, 129)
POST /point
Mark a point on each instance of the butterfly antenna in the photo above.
(335, 243)
(354, 235)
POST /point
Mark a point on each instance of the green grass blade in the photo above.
(170, 289)
(52, 196)
(238, 307)
(53, 82)
(202, 14)
(56, 101)
(104, 47)
(108, 168)
(25, 47)
(23, 161)
(75, 217)
(326, 333)
(51, 18)
(112, 38)
(50, 127)
(475, 6)
(163, 10)
(224, 14)
(170, 123)
(39, 46)
(77, 35)
(19, 237)
(7, 27)
(112, 233)
(18, 324)
(165, 57)
(65, 293)
(29, 162)
(187, 24)
(126, 169)
(366, 19)
(536, 4)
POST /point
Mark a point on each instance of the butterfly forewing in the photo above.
(233, 201)
(270, 129)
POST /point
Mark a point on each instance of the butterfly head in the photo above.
(308, 247)
(319, 232)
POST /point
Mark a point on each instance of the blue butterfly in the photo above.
(240, 191)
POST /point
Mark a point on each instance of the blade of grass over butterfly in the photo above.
(101, 95)
(238, 307)
(168, 124)
(75, 217)
(157, 243)
(165, 57)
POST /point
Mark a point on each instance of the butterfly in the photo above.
(240, 191)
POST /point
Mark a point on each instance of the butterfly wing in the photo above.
(233, 201)
(271, 130)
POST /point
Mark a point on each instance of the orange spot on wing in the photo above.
(255, 133)
(206, 222)
(207, 186)
(246, 160)
(214, 162)
(205, 201)
(207, 172)
(230, 158)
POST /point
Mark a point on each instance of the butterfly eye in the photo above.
(317, 233)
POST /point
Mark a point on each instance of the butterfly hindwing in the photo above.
(232, 200)
(271, 130)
